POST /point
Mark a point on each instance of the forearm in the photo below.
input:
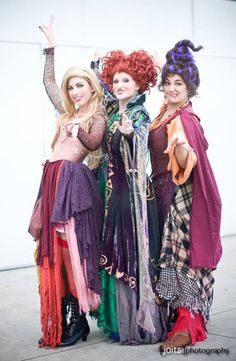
(109, 99)
(92, 140)
(49, 80)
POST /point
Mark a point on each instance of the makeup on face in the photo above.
(175, 90)
(124, 87)
(79, 91)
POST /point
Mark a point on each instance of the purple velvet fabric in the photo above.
(47, 192)
(205, 242)
(161, 178)
(119, 243)
(164, 191)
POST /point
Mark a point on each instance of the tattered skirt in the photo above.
(179, 284)
(68, 196)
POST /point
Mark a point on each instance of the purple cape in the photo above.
(205, 218)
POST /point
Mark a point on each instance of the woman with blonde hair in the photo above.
(67, 217)
(93, 106)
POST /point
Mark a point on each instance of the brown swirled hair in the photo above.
(179, 60)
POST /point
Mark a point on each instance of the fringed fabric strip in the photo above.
(50, 297)
(51, 288)
(88, 299)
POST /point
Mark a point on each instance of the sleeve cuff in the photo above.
(48, 51)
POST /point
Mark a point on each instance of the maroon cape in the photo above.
(205, 218)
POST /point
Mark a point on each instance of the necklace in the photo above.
(164, 114)
(77, 114)
(168, 114)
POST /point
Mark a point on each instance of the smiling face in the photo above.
(175, 90)
(124, 87)
(79, 91)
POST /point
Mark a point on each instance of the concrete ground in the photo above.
(20, 327)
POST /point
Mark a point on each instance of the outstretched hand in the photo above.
(48, 32)
(125, 126)
(176, 139)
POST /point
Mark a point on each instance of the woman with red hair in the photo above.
(128, 312)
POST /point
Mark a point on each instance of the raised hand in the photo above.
(48, 32)
(159, 62)
(96, 55)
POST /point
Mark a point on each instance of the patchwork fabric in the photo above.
(180, 284)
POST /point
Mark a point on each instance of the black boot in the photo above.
(78, 327)
(64, 314)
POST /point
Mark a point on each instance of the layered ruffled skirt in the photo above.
(68, 197)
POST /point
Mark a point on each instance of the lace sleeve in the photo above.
(49, 80)
(93, 139)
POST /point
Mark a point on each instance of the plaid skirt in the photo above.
(179, 284)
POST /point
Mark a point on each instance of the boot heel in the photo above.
(86, 333)
(78, 327)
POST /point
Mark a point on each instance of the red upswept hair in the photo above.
(139, 65)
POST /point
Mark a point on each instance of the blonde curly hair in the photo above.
(94, 106)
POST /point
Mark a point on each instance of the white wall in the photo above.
(82, 27)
